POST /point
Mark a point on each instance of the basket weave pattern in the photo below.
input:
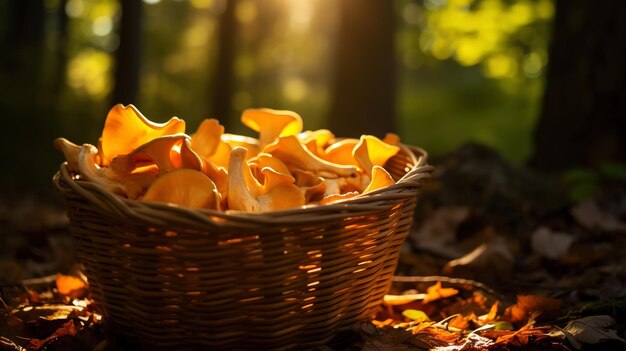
(179, 278)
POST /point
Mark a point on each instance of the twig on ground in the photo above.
(449, 280)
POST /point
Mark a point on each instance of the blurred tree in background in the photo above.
(583, 120)
(439, 72)
(363, 83)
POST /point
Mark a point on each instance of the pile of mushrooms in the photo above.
(283, 168)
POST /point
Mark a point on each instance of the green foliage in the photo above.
(416, 315)
(613, 171)
(447, 100)
(507, 38)
(585, 183)
(503, 326)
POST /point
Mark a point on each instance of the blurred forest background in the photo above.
(437, 72)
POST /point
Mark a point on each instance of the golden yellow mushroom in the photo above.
(129, 185)
(392, 139)
(341, 152)
(271, 123)
(125, 129)
(263, 160)
(164, 152)
(313, 186)
(289, 150)
(245, 193)
(70, 152)
(343, 185)
(234, 140)
(188, 158)
(380, 179)
(185, 187)
(371, 151)
(207, 142)
(316, 140)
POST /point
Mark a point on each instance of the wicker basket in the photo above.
(178, 278)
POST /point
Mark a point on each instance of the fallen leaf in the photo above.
(529, 307)
(436, 292)
(68, 328)
(591, 330)
(416, 315)
(67, 284)
(551, 244)
(438, 233)
(503, 326)
(590, 216)
(461, 322)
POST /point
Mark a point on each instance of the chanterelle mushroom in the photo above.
(245, 193)
(125, 129)
(316, 140)
(271, 123)
(69, 150)
(249, 143)
(313, 187)
(341, 152)
(262, 160)
(371, 151)
(185, 187)
(392, 139)
(380, 179)
(164, 152)
(207, 142)
(130, 185)
(289, 150)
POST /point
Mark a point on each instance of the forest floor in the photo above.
(500, 258)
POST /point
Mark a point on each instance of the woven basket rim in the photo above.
(148, 212)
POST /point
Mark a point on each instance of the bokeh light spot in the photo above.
(412, 14)
(532, 65)
(88, 72)
(102, 26)
(295, 89)
(202, 4)
(74, 8)
(246, 11)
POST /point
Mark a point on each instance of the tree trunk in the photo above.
(364, 76)
(58, 78)
(583, 121)
(128, 53)
(224, 68)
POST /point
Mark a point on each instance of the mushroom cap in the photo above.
(371, 151)
(234, 140)
(380, 179)
(125, 129)
(207, 142)
(70, 152)
(246, 193)
(90, 170)
(392, 139)
(161, 151)
(313, 186)
(279, 192)
(341, 152)
(289, 150)
(271, 123)
(184, 187)
(263, 160)
(316, 140)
